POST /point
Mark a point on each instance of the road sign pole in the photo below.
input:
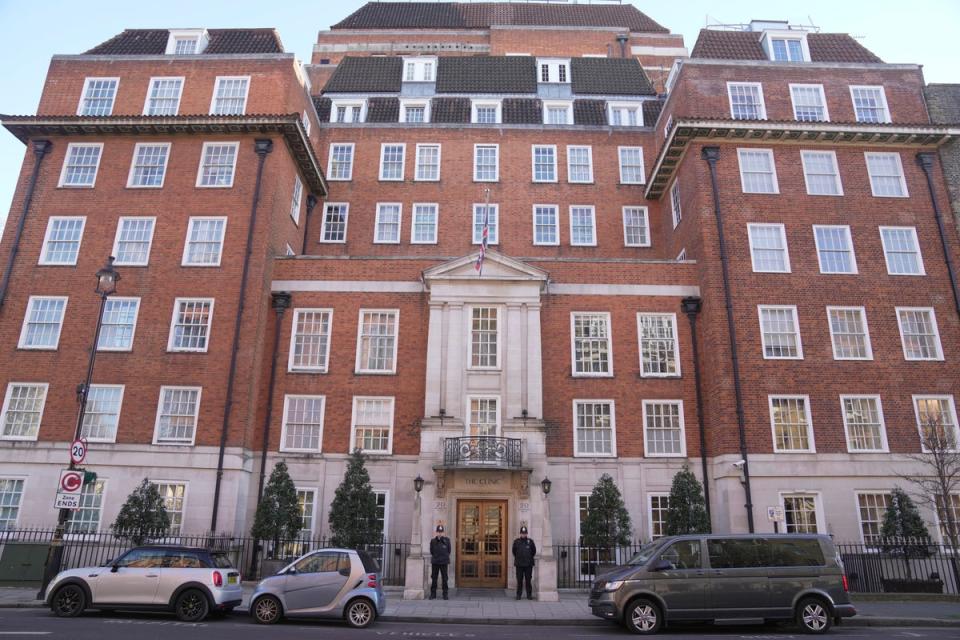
(55, 554)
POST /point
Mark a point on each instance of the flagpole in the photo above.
(485, 233)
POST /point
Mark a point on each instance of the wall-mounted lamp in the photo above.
(546, 484)
(418, 484)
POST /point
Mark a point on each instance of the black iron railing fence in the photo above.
(480, 450)
(891, 566)
(901, 566)
(97, 549)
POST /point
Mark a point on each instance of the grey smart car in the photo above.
(327, 583)
(742, 578)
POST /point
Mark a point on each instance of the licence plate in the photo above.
(231, 579)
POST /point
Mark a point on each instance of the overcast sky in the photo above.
(921, 31)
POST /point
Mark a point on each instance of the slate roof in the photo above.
(483, 15)
(322, 105)
(450, 110)
(609, 76)
(378, 74)
(485, 74)
(590, 112)
(745, 45)
(132, 42)
(522, 111)
(383, 110)
(651, 111)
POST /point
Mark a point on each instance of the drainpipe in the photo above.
(311, 203)
(262, 148)
(622, 40)
(280, 301)
(40, 150)
(925, 160)
(691, 306)
(712, 155)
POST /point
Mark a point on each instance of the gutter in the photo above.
(40, 150)
(925, 160)
(263, 146)
(712, 156)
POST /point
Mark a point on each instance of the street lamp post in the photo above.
(107, 279)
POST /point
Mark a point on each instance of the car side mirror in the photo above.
(661, 565)
(114, 568)
(291, 571)
(345, 572)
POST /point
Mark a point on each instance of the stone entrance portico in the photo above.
(483, 440)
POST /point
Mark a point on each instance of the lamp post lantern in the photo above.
(107, 279)
(418, 484)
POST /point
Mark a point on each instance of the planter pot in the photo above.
(912, 586)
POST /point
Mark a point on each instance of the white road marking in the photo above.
(25, 633)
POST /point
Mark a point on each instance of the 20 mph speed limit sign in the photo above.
(78, 451)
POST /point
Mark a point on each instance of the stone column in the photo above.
(547, 563)
(513, 357)
(534, 386)
(434, 388)
(416, 565)
(456, 349)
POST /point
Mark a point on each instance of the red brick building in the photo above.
(298, 252)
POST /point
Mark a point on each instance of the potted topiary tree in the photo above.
(353, 513)
(606, 527)
(904, 534)
(687, 510)
(143, 516)
(278, 518)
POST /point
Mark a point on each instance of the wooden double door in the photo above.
(482, 543)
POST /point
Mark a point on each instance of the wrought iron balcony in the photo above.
(482, 451)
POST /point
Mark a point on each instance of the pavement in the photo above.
(473, 607)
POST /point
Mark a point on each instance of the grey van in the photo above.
(729, 578)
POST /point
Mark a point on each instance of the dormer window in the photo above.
(415, 111)
(788, 49)
(185, 46)
(420, 69)
(786, 46)
(187, 42)
(348, 111)
(553, 70)
(557, 113)
(486, 112)
(624, 114)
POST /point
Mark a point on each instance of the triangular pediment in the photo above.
(496, 266)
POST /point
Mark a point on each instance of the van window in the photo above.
(683, 555)
(182, 560)
(793, 553)
(733, 553)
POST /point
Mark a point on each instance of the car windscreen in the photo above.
(221, 561)
(644, 553)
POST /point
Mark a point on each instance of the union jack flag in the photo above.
(484, 239)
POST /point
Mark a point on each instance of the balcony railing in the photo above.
(482, 450)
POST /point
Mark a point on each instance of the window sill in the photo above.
(190, 265)
(303, 370)
(75, 186)
(214, 186)
(57, 264)
(144, 186)
(374, 373)
(591, 375)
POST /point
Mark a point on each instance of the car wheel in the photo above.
(643, 616)
(813, 616)
(360, 613)
(192, 606)
(69, 601)
(267, 610)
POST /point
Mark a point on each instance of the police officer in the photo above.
(524, 551)
(439, 559)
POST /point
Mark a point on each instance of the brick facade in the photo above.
(532, 288)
